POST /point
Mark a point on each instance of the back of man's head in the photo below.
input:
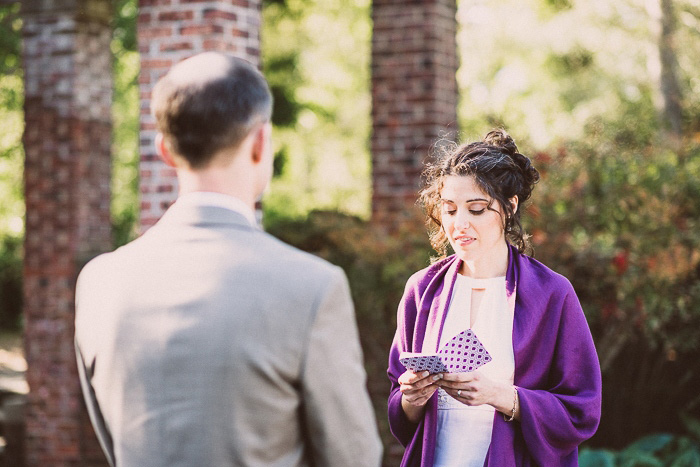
(208, 103)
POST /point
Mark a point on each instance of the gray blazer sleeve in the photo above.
(94, 409)
(340, 422)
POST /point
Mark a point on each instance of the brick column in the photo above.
(170, 31)
(68, 89)
(414, 97)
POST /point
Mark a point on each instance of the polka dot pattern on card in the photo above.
(463, 353)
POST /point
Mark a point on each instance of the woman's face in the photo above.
(474, 230)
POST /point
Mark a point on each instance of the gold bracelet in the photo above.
(515, 405)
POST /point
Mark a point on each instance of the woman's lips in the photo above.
(464, 240)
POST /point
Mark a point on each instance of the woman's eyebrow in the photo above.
(445, 200)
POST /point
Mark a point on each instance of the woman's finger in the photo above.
(461, 395)
(419, 396)
(409, 377)
(468, 386)
(419, 379)
(459, 377)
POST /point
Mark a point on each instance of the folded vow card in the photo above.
(463, 353)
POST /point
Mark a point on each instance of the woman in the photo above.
(539, 397)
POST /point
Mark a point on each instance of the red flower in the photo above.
(621, 262)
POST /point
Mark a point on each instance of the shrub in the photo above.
(656, 450)
(617, 213)
(10, 283)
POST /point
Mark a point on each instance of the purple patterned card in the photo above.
(463, 353)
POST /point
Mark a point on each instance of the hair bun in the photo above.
(530, 173)
(501, 139)
(530, 176)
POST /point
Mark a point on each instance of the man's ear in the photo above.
(162, 150)
(261, 141)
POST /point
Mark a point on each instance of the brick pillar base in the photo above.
(170, 31)
(414, 98)
(68, 87)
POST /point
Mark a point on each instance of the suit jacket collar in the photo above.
(203, 216)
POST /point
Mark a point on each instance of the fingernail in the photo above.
(425, 373)
(437, 377)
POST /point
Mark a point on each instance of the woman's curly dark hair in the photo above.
(498, 169)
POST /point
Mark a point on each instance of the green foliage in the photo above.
(125, 118)
(657, 450)
(631, 211)
(11, 166)
(596, 458)
(616, 212)
(559, 5)
(322, 104)
(12, 118)
(126, 12)
(570, 62)
(10, 25)
(10, 282)
(545, 68)
(11, 155)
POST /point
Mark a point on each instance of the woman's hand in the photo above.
(416, 389)
(475, 389)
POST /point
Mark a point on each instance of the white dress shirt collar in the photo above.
(210, 198)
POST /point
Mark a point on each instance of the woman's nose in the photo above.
(462, 222)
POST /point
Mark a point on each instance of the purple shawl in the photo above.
(556, 366)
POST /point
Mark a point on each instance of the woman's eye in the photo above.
(450, 212)
(477, 212)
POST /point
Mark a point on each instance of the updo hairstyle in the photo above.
(498, 169)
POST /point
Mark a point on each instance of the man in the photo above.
(207, 342)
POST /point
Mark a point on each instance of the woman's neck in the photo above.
(492, 264)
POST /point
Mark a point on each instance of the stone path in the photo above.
(12, 369)
(13, 390)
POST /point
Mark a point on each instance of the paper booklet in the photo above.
(463, 353)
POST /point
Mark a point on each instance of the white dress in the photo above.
(464, 432)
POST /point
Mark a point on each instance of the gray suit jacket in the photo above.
(207, 342)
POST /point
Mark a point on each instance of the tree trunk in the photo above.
(670, 87)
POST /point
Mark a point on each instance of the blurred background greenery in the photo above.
(604, 96)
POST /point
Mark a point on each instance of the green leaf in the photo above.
(639, 459)
(692, 424)
(688, 458)
(596, 458)
(649, 444)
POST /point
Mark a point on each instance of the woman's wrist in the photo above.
(508, 402)
(514, 411)
(413, 412)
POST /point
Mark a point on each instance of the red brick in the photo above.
(414, 98)
(219, 14)
(67, 221)
(153, 32)
(176, 46)
(215, 44)
(146, 3)
(155, 63)
(175, 15)
(204, 29)
(219, 30)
